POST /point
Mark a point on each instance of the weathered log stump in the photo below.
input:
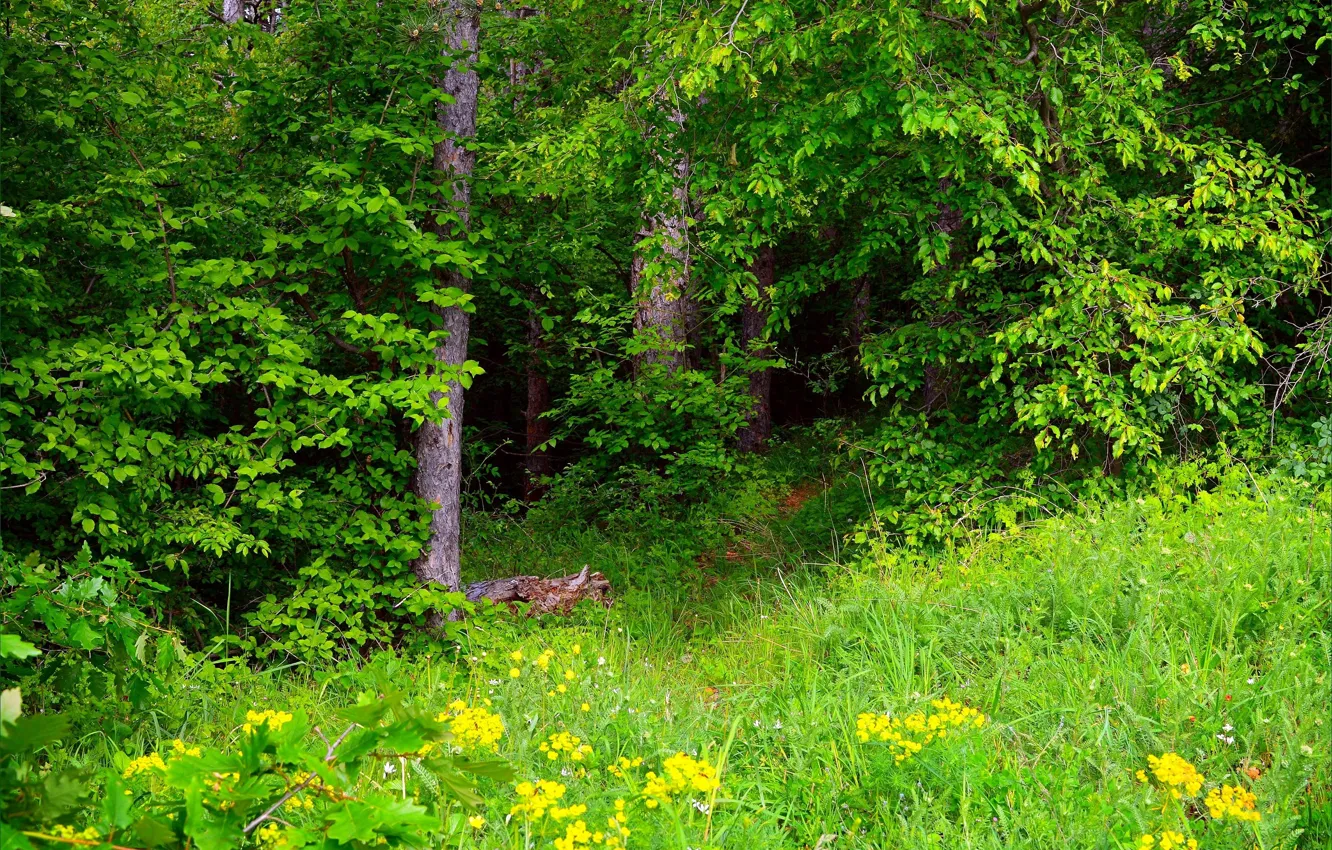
(545, 595)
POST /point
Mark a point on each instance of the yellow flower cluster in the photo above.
(535, 800)
(617, 831)
(143, 764)
(1229, 801)
(563, 742)
(274, 720)
(87, 834)
(622, 764)
(1169, 840)
(270, 835)
(543, 660)
(473, 727)
(681, 772)
(180, 748)
(908, 735)
(576, 835)
(1175, 773)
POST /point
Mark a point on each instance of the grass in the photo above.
(1197, 626)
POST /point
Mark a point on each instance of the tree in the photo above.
(439, 441)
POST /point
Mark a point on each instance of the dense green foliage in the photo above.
(1036, 295)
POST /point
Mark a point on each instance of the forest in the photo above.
(808, 424)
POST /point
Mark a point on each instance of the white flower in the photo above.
(1251, 681)
(390, 768)
(1227, 728)
(701, 806)
(777, 724)
(601, 661)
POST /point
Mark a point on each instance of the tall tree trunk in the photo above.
(662, 318)
(439, 444)
(754, 324)
(538, 462)
(860, 311)
(935, 388)
(232, 11)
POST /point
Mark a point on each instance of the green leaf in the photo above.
(353, 821)
(88, 149)
(13, 646)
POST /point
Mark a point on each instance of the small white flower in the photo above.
(390, 768)
(566, 772)
(701, 806)
(1251, 681)
(601, 661)
(776, 724)
(1227, 728)
(756, 724)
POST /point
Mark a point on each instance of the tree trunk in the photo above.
(663, 316)
(546, 595)
(860, 310)
(538, 403)
(754, 324)
(232, 11)
(439, 444)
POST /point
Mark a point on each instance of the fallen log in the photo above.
(545, 595)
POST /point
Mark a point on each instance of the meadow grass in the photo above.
(1195, 626)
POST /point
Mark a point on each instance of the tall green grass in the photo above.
(1192, 625)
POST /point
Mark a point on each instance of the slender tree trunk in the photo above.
(860, 310)
(754, 324)
(538, 403)
(439, 444)
(232, 11)
(662, 319)
(935, 388)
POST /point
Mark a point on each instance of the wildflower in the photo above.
(514, 672)
(584, 707)
(516, 656)
(476, 821)
(274, 720)
(576, 835)
(543, 660)
(1230, 801)
(473, 727)
(680, 772)
(577, 649)
(601, 661)
(562, 688)
(622, 764)
(563, 742)
(908, 735)
(534, 800)
(570, 675)
(270, 835)
(1171, 839)
(88, 834)
(1175, 773)
(143, 764)
(180, 748)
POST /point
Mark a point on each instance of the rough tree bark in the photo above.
(546, 595)
(754, 322)
(232, 11)
(439, 444)
(663, 310)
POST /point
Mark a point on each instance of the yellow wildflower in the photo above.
(1230, 801)
(514, 672)
(476, 821)
(473, 727)
(274, 720)
(563, 742)
(1175, 773)
(143, 764)
(535, 799)
(576, 835)
(585, 707)
(679, 772)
